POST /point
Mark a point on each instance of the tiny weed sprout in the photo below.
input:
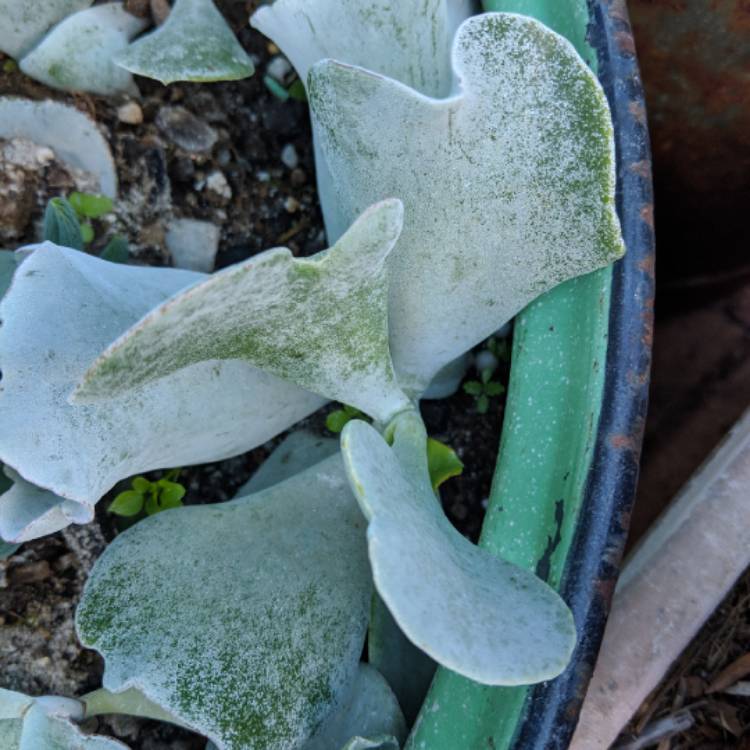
(465, 167)
(337, 419)
(151, 497)
(484, 389)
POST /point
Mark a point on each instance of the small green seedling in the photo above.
(337, 419)
(442, 462)
(61, 224)
(483, 390)
(87, 207)
(295, 90)
(153, 497)
(67, 223)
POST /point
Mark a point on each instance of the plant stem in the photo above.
(131, 702)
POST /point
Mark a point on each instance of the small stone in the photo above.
(262, 176)
(130, 113)
(279, 68)
(186, 130)
(289, 156)
(138, 8)
(184, 169)
(160, 11)
(298, 177)
(223, 157)
(193, 244)
(217, 183)
(291, 205)
(486, 360)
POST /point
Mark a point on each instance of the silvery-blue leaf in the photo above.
(319, 322)
(25, 21)
(28, 723)
(195, 43)
(508, 185)
(408, 41)
(243, 620)
(298, 451)
(482, 617)
(64, 307)
(77, 54)
(74, 137)
(371, 710)
(406, 668)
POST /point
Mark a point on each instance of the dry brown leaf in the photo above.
(738, 669)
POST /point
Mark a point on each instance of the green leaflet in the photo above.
(319, 322)
(254, 637)
(470, 611)
(194, 44)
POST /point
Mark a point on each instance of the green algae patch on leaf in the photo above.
(484, 618)
(508, 185)
(320, 322)
(370, 711)
(25, 21)
(408, 41)
(195, 43)
(62, 310)
(254, 637)
(77, 55)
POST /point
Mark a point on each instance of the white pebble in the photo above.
(279, 68)
(217, 183)
(289, 156)
(130, 113)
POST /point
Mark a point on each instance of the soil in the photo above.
(261, 202)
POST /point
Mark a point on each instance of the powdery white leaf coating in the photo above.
(61, 311)
(73, 136)
(508, 186)
(195, 43)
(77, 55)
(482, 617)
(251, 631)
(298, 451)
(319, 322)
(23, 22)
(407, 41)
(28, 723)
(370, 711)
